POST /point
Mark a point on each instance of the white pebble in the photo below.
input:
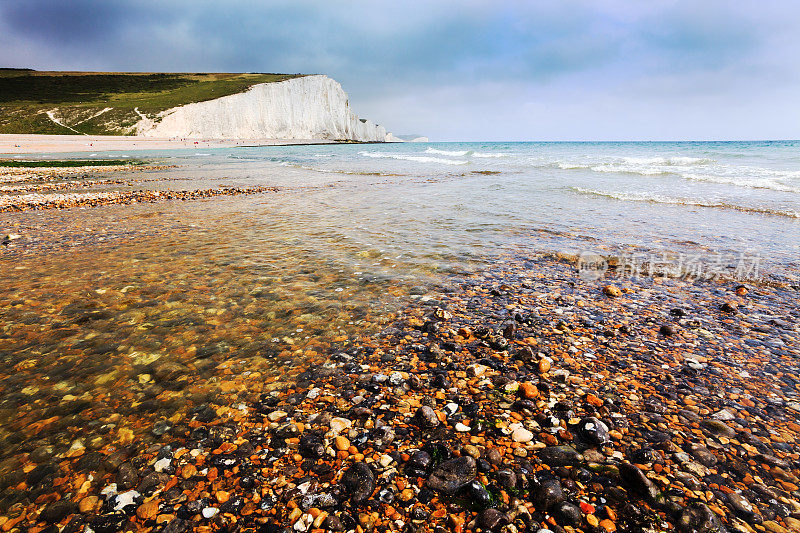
(277, 416)
(340, 424)
(125, 499)
(303, 522)
(477, 369)
(521, 435)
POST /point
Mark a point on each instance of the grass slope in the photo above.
(106, 103)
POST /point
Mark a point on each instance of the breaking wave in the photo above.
(774, 184)
(616, 168)
(417, 158)
(680, 161)
(660, 199)
(462, 153)
(636, 165)
(453, 153)
(692, 169)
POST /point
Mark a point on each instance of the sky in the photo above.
(468, 70)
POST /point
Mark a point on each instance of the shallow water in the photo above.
(187, 315)
(153, 311)
(469, 198)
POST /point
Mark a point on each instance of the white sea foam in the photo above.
(454, 153)
(693, 169)
(638, 165)
(417, 158)
(632, 169)
(462, 153)
(759, 183)
(666, 160)
(695, 202)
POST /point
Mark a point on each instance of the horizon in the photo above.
(576, 72)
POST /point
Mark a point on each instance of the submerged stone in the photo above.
(453, 475)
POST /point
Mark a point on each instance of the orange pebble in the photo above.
(608, 525)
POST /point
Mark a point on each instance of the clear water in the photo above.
(117, 317)
(432, 205)
(435, 203)
(439, 201)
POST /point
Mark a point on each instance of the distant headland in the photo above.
(207, 106)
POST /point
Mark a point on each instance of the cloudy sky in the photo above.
(493, 70)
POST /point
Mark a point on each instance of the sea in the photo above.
(731, 198)
(442, 206)
(122, 321)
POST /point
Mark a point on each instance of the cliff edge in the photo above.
(309, 107)
(213, 106)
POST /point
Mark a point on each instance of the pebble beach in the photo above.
(217, 357)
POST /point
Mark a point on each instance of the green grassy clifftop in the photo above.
(106, 103)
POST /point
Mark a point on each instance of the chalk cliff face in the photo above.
(311, 107)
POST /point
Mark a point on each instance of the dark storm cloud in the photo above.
(60, 22)
(393, 55)
(410, 39)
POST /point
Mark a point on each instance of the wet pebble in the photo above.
(358, 482)
(634, 479)
(453, 475)
(547, 493)
(492, 519)
(426, 418)
(594, 431)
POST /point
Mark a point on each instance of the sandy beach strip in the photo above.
(35, 144)
(34, 201)
(46, 188)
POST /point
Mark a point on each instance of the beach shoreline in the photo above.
(217, 366)
(20, 144)
(518, 395)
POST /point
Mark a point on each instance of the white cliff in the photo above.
(310, 107)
